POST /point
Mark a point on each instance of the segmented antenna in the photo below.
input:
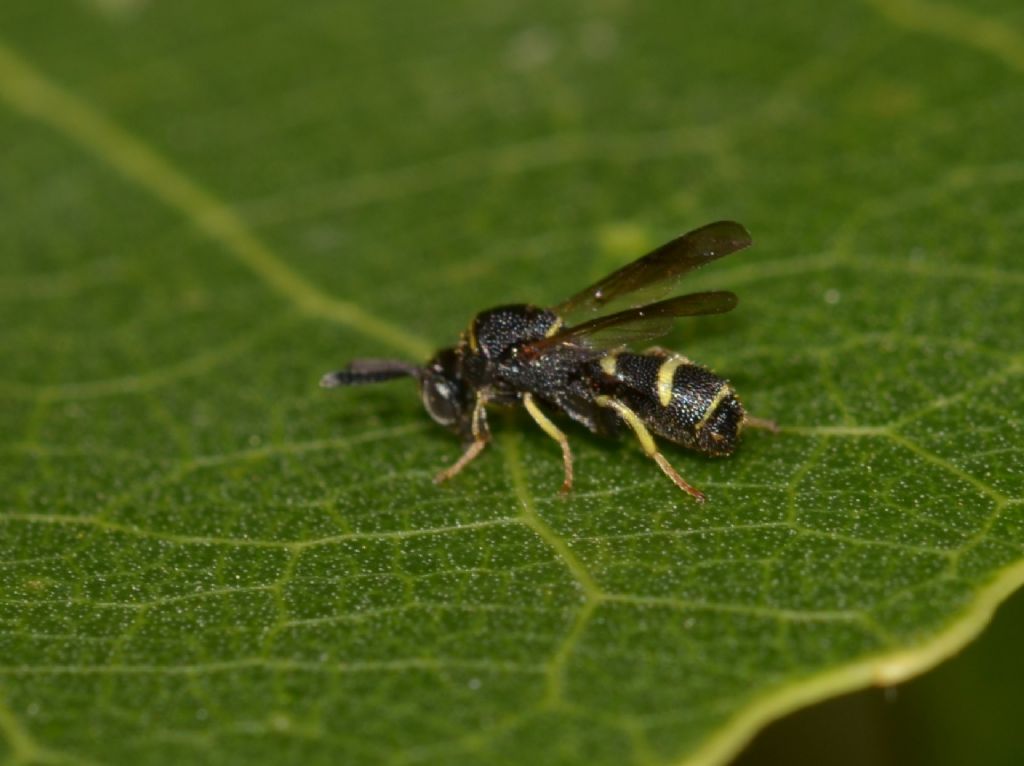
(362, 371)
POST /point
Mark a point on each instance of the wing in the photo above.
(637, 324)
(654, 275)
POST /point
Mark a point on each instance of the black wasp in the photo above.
(523, 354)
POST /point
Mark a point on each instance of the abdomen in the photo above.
(676, 399)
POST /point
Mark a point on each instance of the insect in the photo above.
(573, 358)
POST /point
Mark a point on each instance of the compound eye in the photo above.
(441, 401)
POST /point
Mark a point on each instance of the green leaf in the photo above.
(207, 558)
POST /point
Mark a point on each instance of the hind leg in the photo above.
(635, 424)
(749, 421)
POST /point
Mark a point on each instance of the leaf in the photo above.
(207, 558)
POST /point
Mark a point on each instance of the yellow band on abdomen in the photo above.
(666, 377)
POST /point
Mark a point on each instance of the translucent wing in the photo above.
(636, 325)
(654, 275)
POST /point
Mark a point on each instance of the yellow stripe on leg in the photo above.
(479, 417)
(632, 420)
(647, 442)
(480, 437)
(555, 433)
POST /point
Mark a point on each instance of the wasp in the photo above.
(574, 359)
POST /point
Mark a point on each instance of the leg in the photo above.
(647, 442)
(767, 425)
(552, 430)
(474, 449)
(481, 435)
